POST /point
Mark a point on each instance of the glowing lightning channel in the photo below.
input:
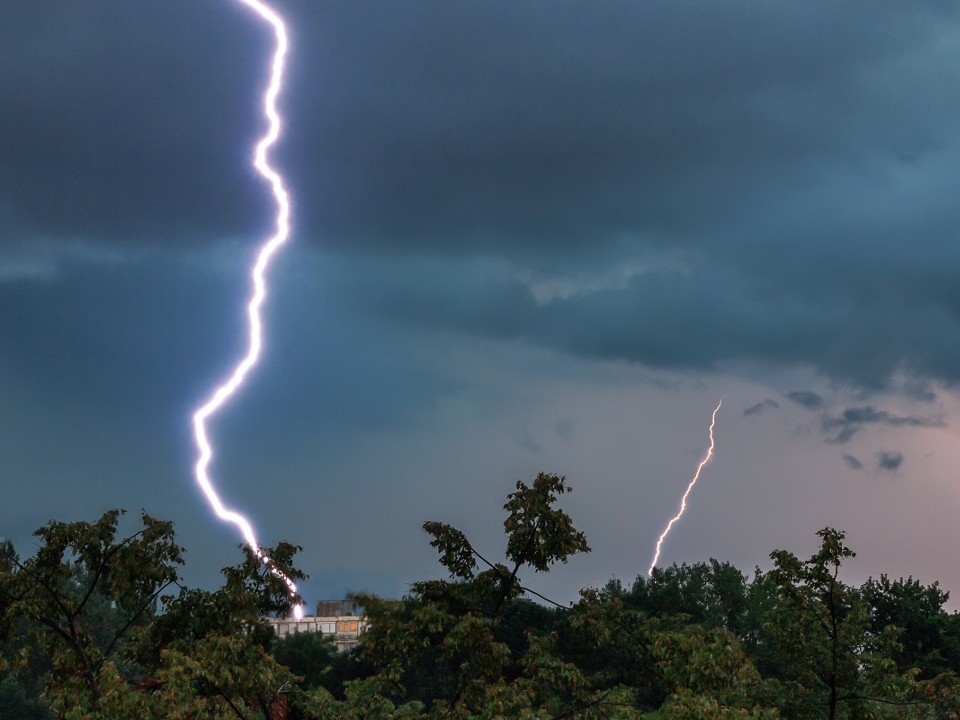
(683, 500)
(230, 385)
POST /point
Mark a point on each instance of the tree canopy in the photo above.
(98, 624)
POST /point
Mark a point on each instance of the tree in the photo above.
(712, 594)
(473, 647)
(819, 624)
(708, 676)
(101, 627)
(22, 669)
(828, 661)
(82, 593)
(310, 656)
(456, 643)
(928, 638)
(95, 607)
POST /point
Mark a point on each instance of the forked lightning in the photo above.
(223, 392)
(683, 500)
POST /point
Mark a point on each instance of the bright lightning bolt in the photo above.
(229, 386)
(683, 500)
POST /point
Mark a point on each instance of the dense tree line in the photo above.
(98, 624)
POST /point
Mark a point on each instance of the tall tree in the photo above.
(451, 641)
(84, 590)
(928, 639)
(829, 662)
(712, 594)
(124, 638)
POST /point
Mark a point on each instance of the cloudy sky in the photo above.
(527, 236)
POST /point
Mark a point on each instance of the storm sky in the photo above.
(540, 236)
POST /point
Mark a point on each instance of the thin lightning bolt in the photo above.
(229, 386)
(683, 500)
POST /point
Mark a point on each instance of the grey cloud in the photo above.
(845, 434)
(708, 184)
(486, 125)
(760, 407)
(46, 260)
(889, 460)
(157, 335)
(807, 398)
(451, 128)
(764, 160)
(664, 318)
(844, 426)
(527, 442)
(852, 462)
(133, 122)
(561, 164)
(919, 389)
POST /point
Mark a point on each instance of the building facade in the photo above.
(337, 619)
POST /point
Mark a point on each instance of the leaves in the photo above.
(456, 552)
(99, 608)
(105, 629)
(539, 534)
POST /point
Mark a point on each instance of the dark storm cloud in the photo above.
(721, 154)
(889, 461)
(528, 443)
(760, 407)
(131, 121)
(480, 124)
(708, 184)
(153, 338)
(842, 427)
(852, 462)
(919, 389)
(667, 319)
(807, 398)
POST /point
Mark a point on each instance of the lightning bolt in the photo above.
(223, 392)
(683, 500)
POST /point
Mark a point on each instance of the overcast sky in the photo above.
(538, 236)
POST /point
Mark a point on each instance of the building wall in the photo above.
(345, 628)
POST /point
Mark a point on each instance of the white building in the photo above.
(337, 619)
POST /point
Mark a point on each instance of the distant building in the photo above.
(337, 619)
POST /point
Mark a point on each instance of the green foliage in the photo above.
(828, 659)
(311, 656)
(456, 553)
(250, 592)
(819, 626)
(453, 645)
(19, 700)
(92, 622)
(712, 594)
(538, 534)
(99, 626)
(929, 640)
(84, 590)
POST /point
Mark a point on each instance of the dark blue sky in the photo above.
(537, 236)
